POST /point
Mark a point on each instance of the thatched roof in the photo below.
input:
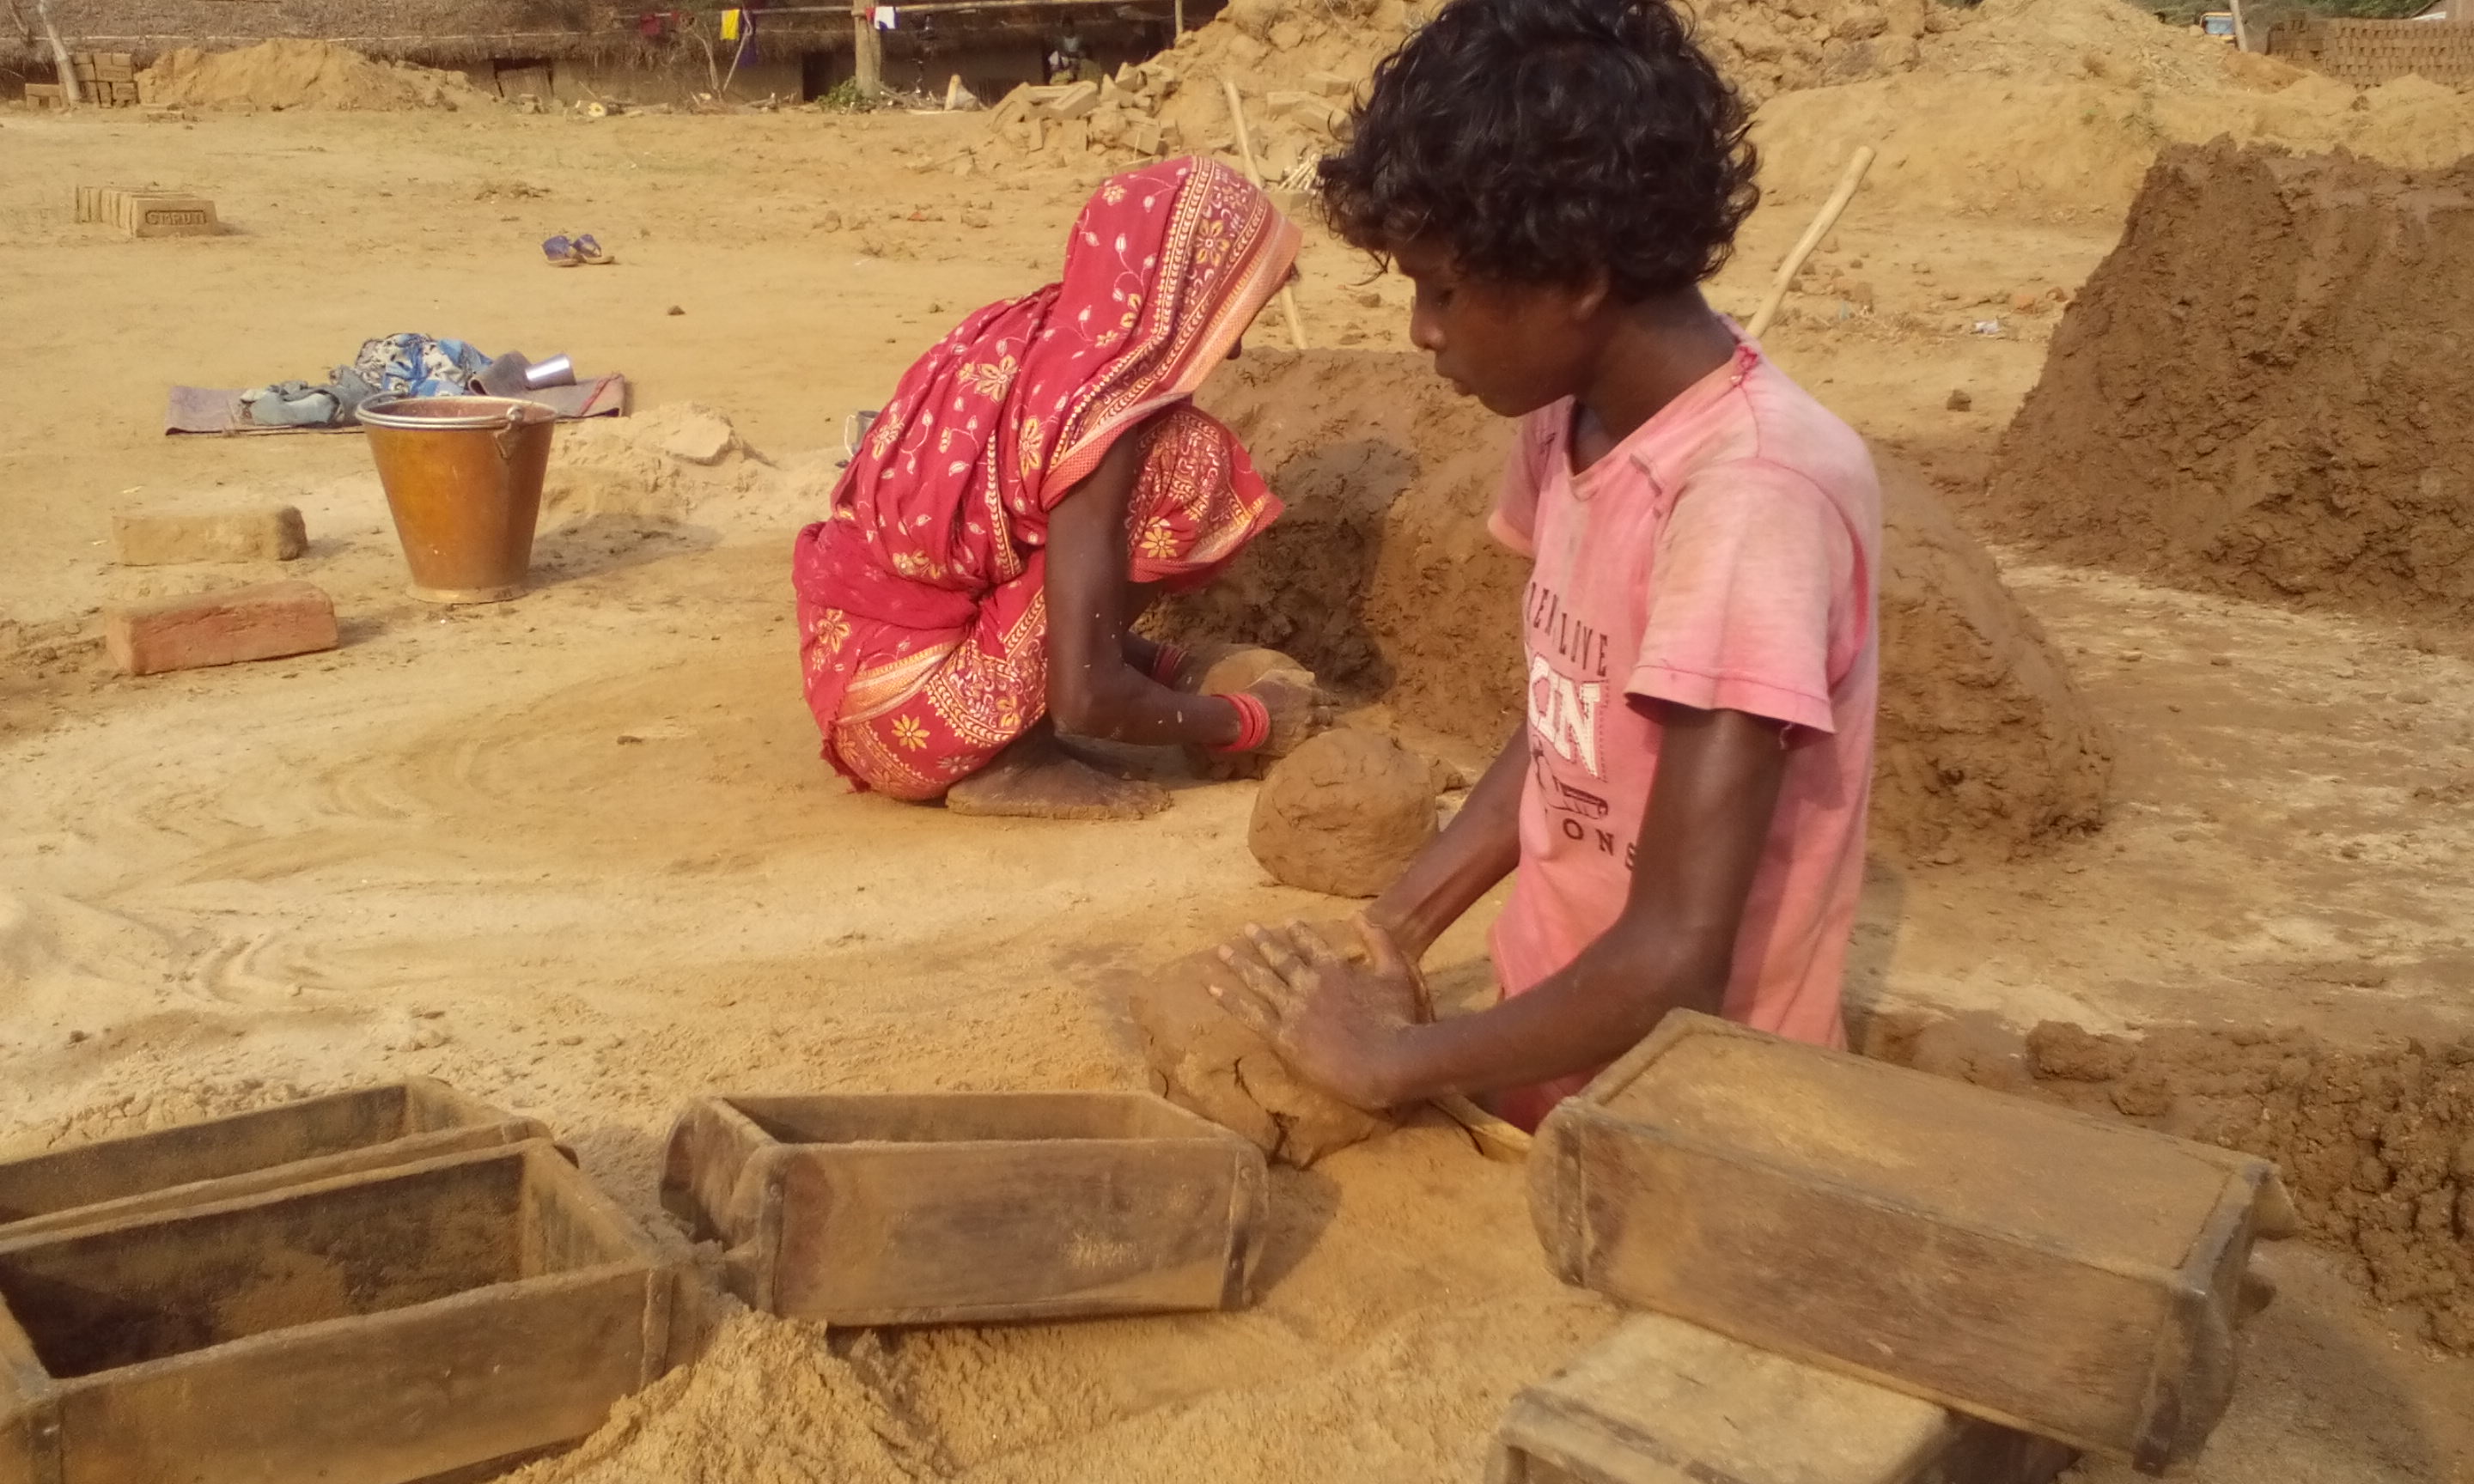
(451, 33)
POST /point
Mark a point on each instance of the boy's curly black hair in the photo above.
(1547, 140)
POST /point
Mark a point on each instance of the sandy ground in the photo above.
(576, 853)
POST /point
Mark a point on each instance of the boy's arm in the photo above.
(1352, 1028)
(1479, 847)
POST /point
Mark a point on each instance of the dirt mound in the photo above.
(1984, 739)
(2377, 1146)
(2072, 140)
(1381, 578)
(2261, 390)
(293, 74)
(2065, 102)
(1299, 65)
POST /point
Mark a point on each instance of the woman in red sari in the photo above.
(1039, 476)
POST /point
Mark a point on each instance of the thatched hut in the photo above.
(584, 49)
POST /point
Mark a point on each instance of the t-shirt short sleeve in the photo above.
(1749, 574)
(1514, 521)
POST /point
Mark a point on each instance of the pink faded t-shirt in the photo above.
(1723, 556)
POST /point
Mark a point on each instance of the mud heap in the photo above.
(2261, 391)
(1382, 579)
(1299, 65)
(298, 74)
(2377, 1147)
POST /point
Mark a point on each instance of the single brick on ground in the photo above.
(264, 622)
(155, 537)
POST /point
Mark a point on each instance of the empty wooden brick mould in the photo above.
(377, 1327)
(2066, 1276)
(898, 1208)
(219, 1159)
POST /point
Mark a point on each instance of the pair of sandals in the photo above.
(564, 251)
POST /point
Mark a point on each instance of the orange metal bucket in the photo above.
(463, 477)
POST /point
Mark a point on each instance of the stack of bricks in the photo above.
(107, 79)
(147, 213)
(2367, 53)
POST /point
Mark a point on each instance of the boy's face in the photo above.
(1516, 347)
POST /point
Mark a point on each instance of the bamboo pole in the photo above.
(1254, 172)
(1853, 176)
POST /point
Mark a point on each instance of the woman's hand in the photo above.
(1298, 711)
(1336, 1023)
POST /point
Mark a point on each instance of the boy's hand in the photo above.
(1336, 1023)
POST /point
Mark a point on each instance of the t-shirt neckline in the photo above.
(1715, 383)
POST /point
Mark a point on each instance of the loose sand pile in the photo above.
(2377, 1148)
(1382, 579)
(295, 74)
(2263, 389)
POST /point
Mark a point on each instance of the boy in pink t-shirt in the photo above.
(1684, 804)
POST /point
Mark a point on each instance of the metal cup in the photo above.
(556, 372)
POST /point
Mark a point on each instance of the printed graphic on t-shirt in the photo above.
(1568, 727)
(1566, 712)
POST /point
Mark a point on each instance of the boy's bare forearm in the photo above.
(1596, 1008)
(1701, 836)
(1479, 847)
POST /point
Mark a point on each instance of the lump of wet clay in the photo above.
(1227, 668)
(1204, 1058)
(1344, 813)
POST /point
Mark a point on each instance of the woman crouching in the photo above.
(1039, 476)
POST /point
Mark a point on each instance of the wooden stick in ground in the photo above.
(1496, 1139)
(1254, 173)
(1853, 176)
(868, 52)
(70, 92)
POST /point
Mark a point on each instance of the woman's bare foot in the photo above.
(1038, 777)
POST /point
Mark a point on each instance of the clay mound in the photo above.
(1204, 1058)
(295, 74)
(2376, 1147)
(2261, 391)
(1343, 814)
(1382, 579)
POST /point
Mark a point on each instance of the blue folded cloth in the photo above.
(407, 364)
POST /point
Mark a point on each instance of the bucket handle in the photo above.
(505, 438)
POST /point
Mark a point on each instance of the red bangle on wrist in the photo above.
(1166, 659)
(1253, 723)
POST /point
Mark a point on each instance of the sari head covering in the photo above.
(922, 624)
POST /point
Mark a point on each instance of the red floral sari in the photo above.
(923, 627)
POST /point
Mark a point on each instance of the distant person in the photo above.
(1065, 61)
(1039, 476)
(1682, 808)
